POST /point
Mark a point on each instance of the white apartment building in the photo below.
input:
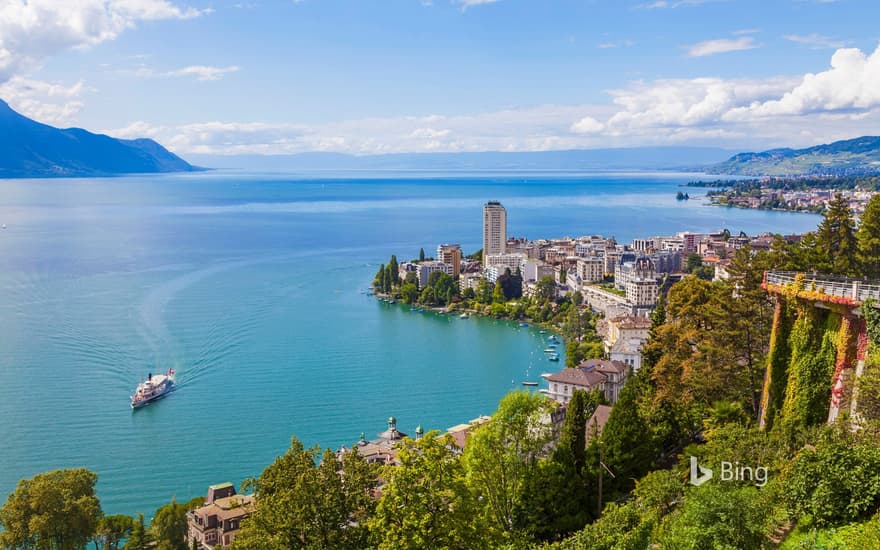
(424, 270)
(642, 292)
(535, 270)
(591, 270)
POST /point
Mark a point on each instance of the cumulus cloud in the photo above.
(587, 125)
(199, 72)
(48, 102)
(850, 86)
(688, 102)
(31, 30)
(722, 45)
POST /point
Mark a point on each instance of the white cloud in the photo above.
(661, 4)
(840, 102)
(536, 128)
(688, 102)
(722, 45)
(31, 30)
(619, 44)
(465, 4)
(200, 72)
(47, 102)
(851, 85)
(814, 40)
(587, 125)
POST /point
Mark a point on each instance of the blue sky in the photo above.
(372, 76)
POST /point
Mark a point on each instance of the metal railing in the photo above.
(833, 285)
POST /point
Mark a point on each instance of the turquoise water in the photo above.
(250, 287)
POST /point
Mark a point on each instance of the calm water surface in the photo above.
(250, 287)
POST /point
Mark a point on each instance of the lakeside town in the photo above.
(703, 314)
(617, 285)
(802, 194)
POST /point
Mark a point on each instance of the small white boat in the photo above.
(154, 387)
(550, 350)
(463, 316)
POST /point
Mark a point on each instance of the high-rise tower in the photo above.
(494, 228)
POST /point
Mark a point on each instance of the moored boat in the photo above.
(154, 387)
(529, 383)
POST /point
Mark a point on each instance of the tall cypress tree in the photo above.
(572, 447)
(869, 239)
(394, 268)
(421, 254)
(379, 279)
(836, 239)
(386, 279)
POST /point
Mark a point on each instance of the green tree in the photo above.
(379, 279)
(444, 286)
(304, 502)
(409, 293)
(426, 502)
(627, 442)
(484, 292)
(511, 284)
(694, 262)
(169, 528)
(52, 510)
(140, 538)
(718, 516)
(498, 294)
(501, 455)
(869, 239)
(621, 527)
(388, 280)
(572, 445)
(834, 482)
(411, 278)
(556, 500)
(394, 268)
(112, 530)
(836, 238)
(545, 290)
(421, 254)
(427, 296)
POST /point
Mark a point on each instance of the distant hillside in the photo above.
(641, 158)
(859, 156)
(29, 149)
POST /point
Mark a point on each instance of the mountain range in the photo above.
(638, 158)
(851, 157)
(29, 149)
